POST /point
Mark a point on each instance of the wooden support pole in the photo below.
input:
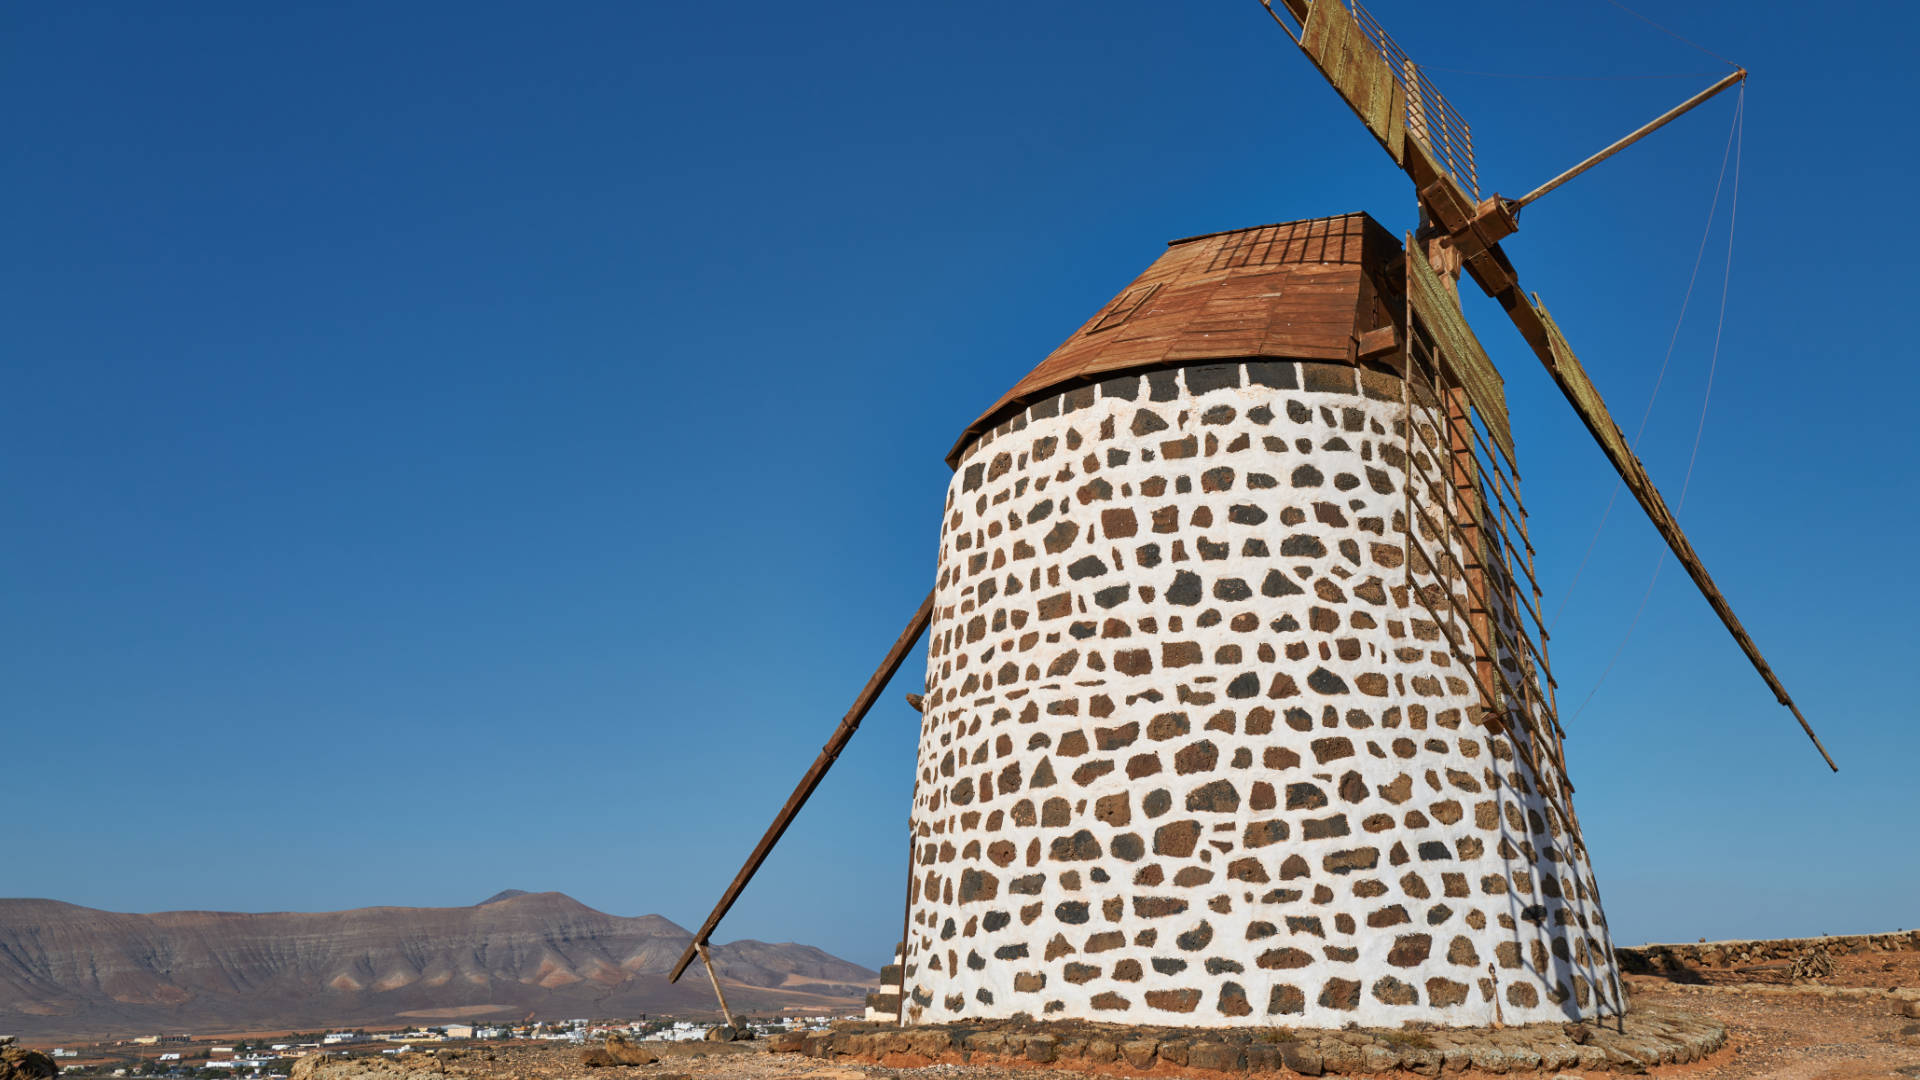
(714, 978)
(906, 912)
(1416, 104)
(849, 724)
(1635, 136)
(1407, 435)
(906, 921)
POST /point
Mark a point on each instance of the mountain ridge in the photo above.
(70, 970)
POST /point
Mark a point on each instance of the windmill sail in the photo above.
(1434, 304)
(1333, 39)
(1580, 393)
(1426, 138)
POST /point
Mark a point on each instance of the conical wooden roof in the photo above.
(1298, 290)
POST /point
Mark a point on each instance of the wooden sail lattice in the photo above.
(1391, 92)
(1430, 116)
(1469, 562)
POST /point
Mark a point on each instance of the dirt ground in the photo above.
(1849, 1027)
(1791, 1033)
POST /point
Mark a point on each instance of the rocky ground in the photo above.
(1861, 1021)
(1864, 1021)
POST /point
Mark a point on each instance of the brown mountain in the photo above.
(73, 971)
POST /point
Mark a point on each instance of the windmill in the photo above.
(1238, 707)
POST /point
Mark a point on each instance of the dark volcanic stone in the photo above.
(1445, 992)
(1342, 994)
(1325, 682)
(1279, 584)
(1231, 590)
(1328, 378)
(1297, 1057)
(1217, 797)
(1077, 847)
(1279, 375)
(1264, 833)
(976, 885)
(1196, 757)
(1217, 1056)
(1324, 828)
(1284, 958)
(1344, 862)
(1332, 748)
(1178, 1001)
(1305, 797)
(1391, 991)
(1090, 566)
(1197, 938)
(1176, 839)
(1410, 950)
(1203, 378)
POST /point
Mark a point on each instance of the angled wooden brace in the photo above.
(804, 790)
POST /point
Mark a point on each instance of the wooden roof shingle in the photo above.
(1297, 290)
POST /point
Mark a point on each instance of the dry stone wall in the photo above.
(1661, 959)
(1648, 1037)
(1191, 754)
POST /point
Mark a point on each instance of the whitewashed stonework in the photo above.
(1190, 753)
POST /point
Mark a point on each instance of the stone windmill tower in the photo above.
(1208, 735)
(1237, 705)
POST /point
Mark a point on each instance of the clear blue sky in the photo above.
(450, 448)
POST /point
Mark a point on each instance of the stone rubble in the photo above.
(19, 1063)
(617, 1050)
